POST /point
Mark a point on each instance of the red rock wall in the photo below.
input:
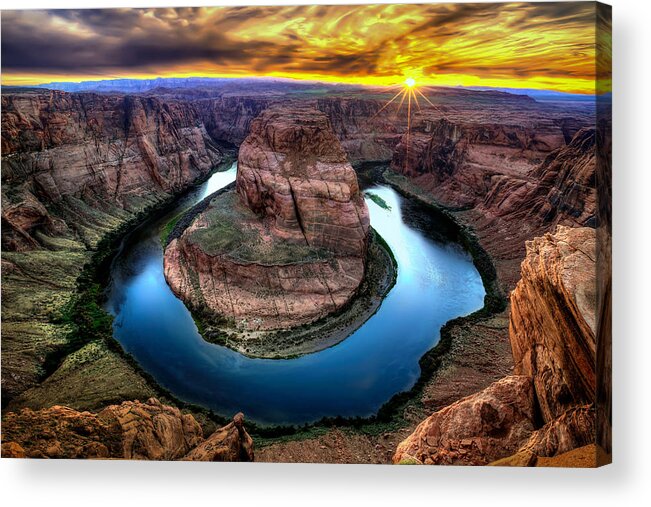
(131, 430)
(292, 170)
(258, 296)
(105, 150)
(553, 319)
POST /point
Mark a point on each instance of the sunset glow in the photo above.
(540, 45)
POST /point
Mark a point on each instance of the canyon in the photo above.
(77, 167)
(289, 246)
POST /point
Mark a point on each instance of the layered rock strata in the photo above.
(289, 247)
(553, 313)
(475, 430)
(131, 430)
(65, 154)
(35, 287)
(510, 182)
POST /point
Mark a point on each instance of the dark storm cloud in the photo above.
(116, 39)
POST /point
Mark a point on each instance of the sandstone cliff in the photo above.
(553, 312)
(131, 430)
(503, 170)
(475, 430)
(459, 162)
(290, 246)
(37, 126)
(68, 158)
(75, 167)
(293, 171)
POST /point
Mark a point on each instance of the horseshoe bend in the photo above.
(288, 245)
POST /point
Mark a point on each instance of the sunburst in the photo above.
(409, 92)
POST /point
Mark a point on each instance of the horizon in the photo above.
(512, 90)
(545, 47)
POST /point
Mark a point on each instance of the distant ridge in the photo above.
(539, 95)
(127, 85)
(144, 85)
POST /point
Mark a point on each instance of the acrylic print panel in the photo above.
(366, 233)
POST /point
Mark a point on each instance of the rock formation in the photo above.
(553, 312)
(552, 334)
(515, 178)
(131, 430)
(67, 152)
(230, 443)
(504, 170)
(475, 430)
(152, 430)
(293, 171)
(459, 162)
(77, 165)
(572, 429)
(290, 246)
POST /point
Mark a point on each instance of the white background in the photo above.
(626, 482)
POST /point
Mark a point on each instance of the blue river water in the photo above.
(436, 282)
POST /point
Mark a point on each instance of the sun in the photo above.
(408, 93)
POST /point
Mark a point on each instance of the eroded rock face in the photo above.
(152, 430)
(255, 295)
(131, 430)
(476, 430)
(290, 246)
(574, 428)
(559, 190)
(460, 162)
(293, 171)
(60, 432)
(553, 313)
(510, 182)
(552, 334)
(70, 151)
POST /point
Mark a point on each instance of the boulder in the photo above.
(230, 443)
(475, 430)
(131, 430)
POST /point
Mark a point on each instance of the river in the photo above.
(436, 282)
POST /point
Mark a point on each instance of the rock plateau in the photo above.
(289, 246)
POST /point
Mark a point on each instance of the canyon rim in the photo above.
(306, 234)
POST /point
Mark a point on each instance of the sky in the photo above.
(526, 45)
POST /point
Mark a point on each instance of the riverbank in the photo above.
(81, 365)
(394, 421)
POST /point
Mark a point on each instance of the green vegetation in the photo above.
(168, 228)
(390, 416)
(88, 369)
(378, 200)
(233, 229)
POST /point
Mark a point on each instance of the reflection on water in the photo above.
(436, 282)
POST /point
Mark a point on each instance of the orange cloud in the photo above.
(527, 45)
